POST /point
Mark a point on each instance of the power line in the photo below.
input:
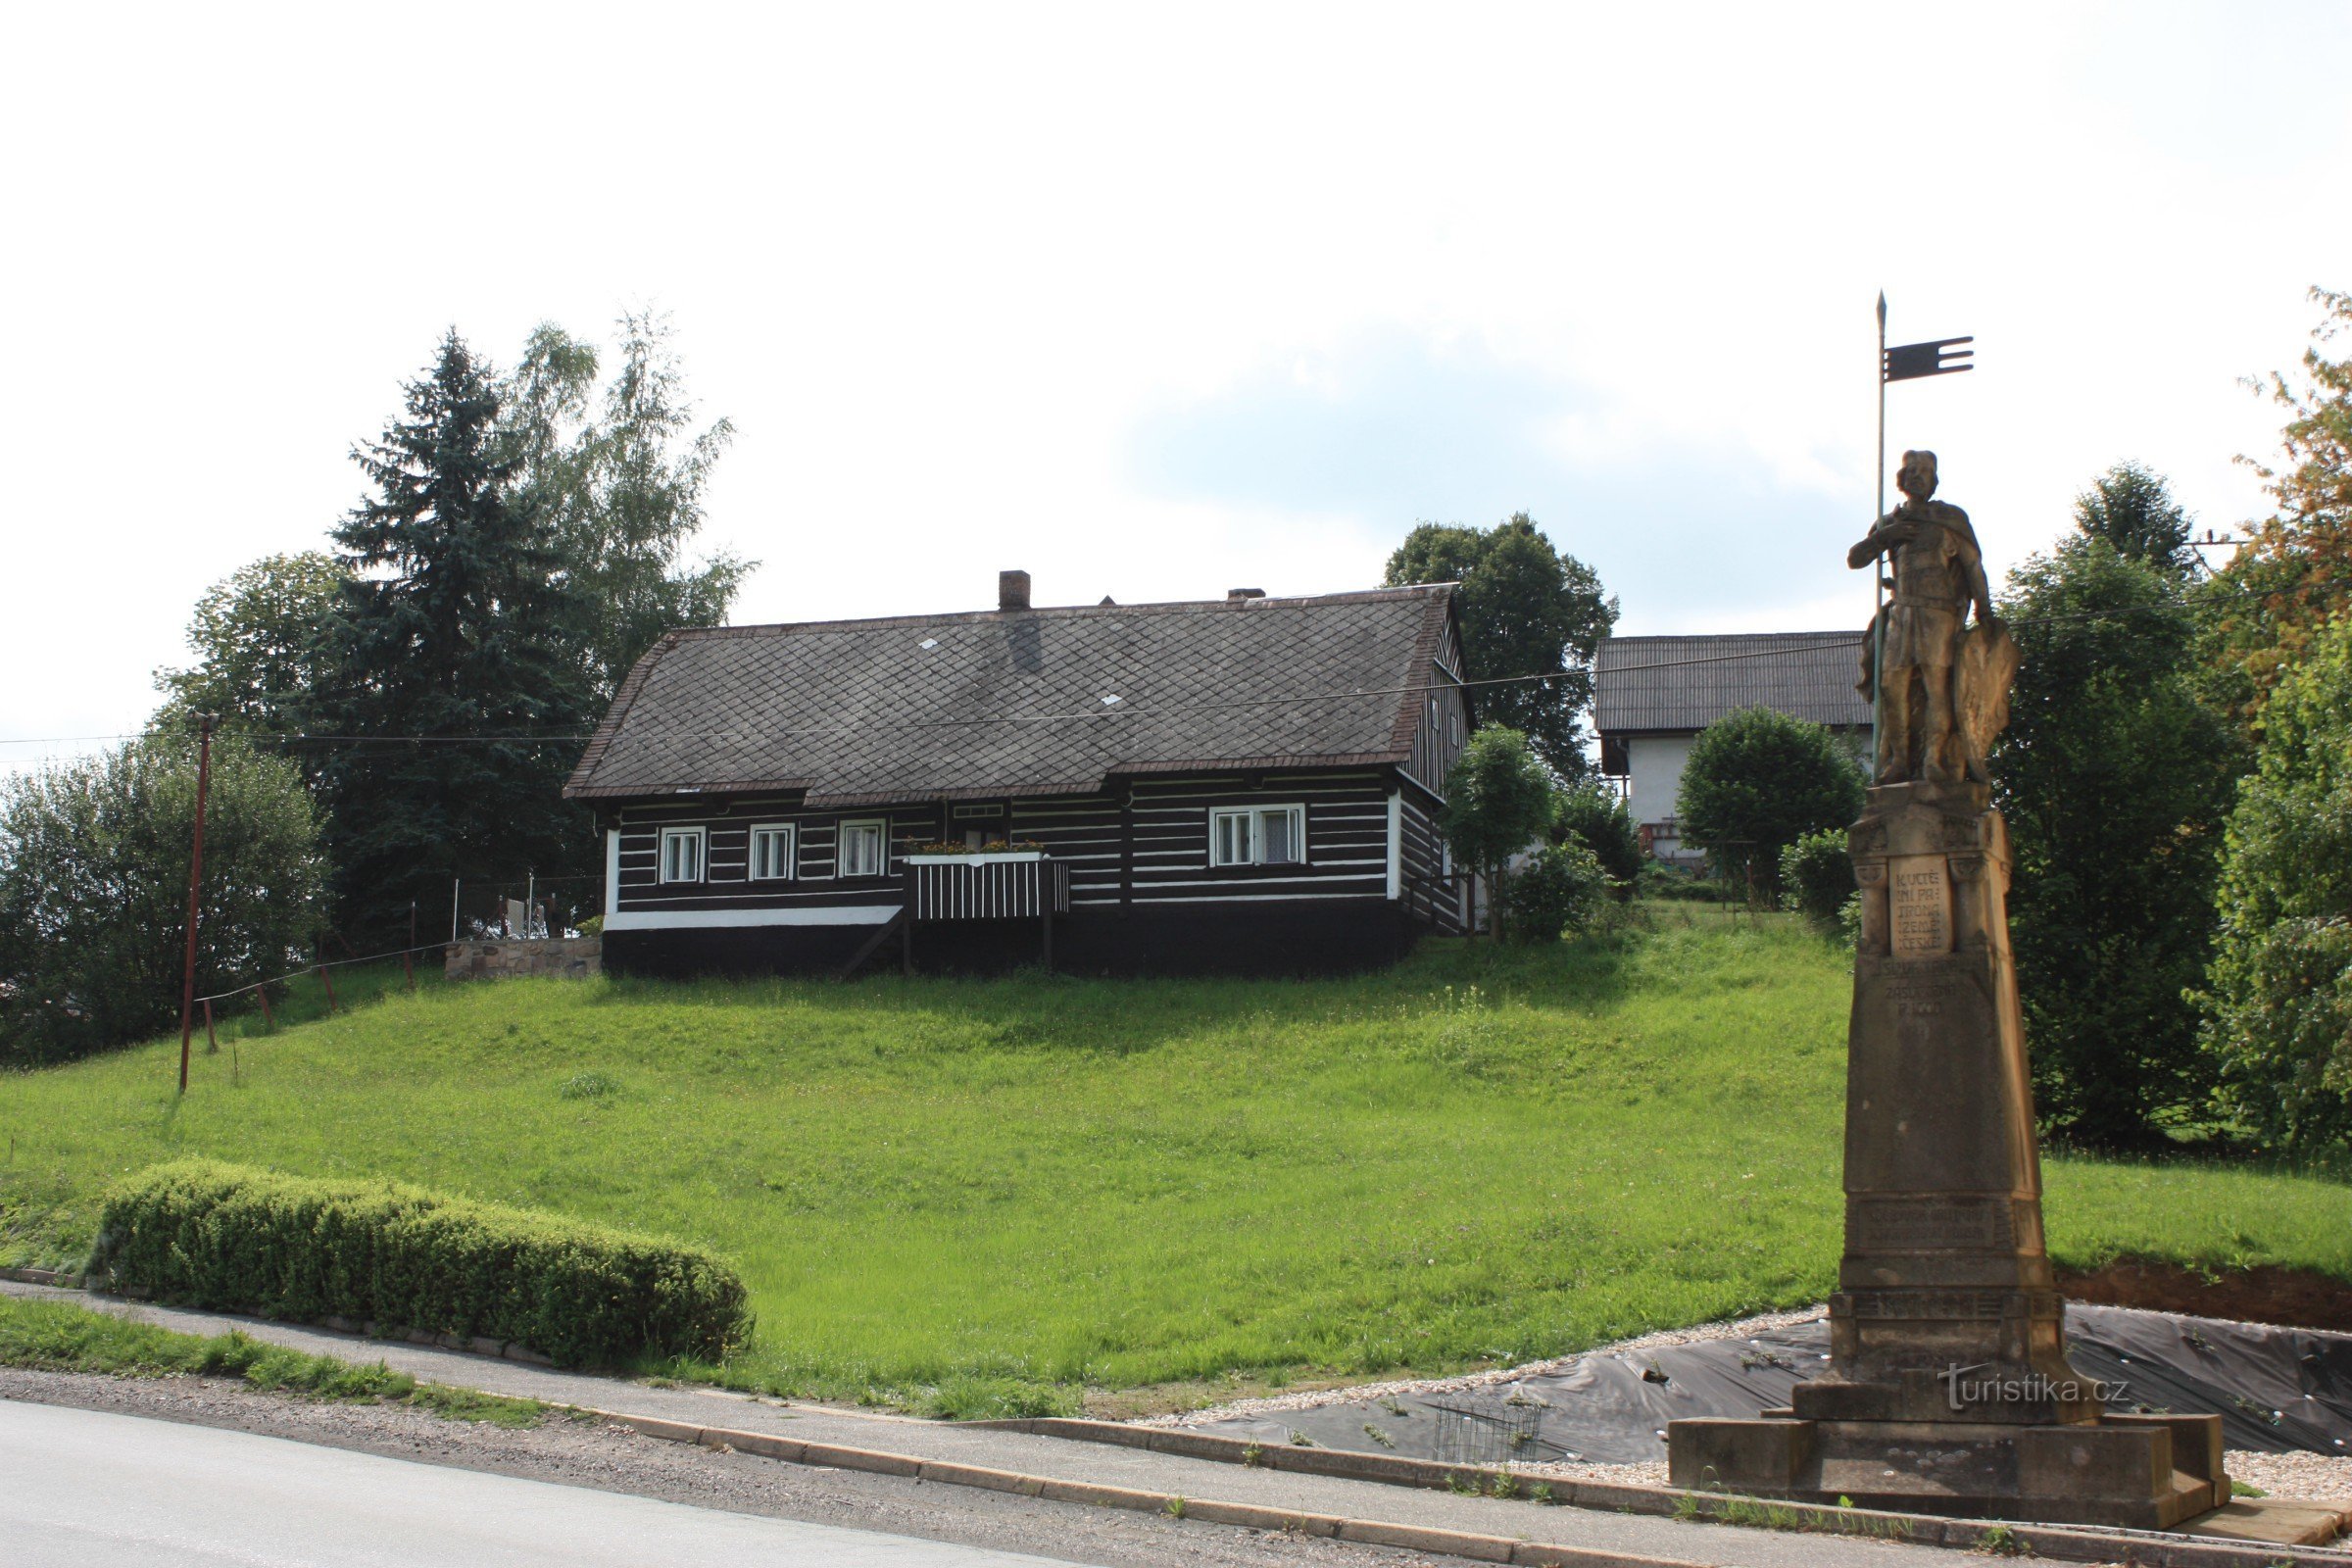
(570, 737)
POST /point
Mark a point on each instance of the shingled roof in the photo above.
(1649, 684)
(998, 703)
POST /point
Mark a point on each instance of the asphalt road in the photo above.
(84, 1487)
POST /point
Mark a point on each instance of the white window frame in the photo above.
(1251, 823)
(840, 845)
(789, 863)
(672, 870)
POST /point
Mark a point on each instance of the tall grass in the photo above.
(981, 1193)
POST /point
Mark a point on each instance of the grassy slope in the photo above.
(983, 1184)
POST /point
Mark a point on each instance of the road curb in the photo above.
(1086, 1493)
(2147, 1549)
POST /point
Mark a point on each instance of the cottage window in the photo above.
(771, 853)
(865, 848)
(681, 855)
(1257, 835)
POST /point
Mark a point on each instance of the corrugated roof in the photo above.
(1687, 683)
(872, 711)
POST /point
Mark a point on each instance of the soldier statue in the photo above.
(1945, 685)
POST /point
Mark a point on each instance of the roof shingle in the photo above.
(1013, 703)
(1645, 684)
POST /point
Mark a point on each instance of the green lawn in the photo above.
(980, 1195)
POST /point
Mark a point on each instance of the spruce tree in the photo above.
(458, 682)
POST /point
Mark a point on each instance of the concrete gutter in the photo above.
(2087, 1543)
(1367, 1531)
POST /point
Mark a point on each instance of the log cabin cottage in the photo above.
(1239, 785)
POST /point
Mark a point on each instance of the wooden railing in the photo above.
(987, 887)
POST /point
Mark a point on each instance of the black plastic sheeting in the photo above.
(2277, 1390)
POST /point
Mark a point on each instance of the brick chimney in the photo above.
(1233, 594)
(1013, 590)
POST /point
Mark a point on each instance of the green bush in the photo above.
(1755, 782)
(232, 1238)
(1557, 891)
(1817, 875)
(1593, 816)
(593, 926)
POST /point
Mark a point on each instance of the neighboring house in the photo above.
(1651, 696)
(1241, 784)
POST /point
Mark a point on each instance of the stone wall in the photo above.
(499, 958)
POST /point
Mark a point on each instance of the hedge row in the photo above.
(230, 1238)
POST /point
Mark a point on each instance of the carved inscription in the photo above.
(1943, 1305)
(1920, 896)
(1919, 999)
(1924, 1224)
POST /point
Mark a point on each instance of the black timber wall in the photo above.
(1335, 936)
(1144, 898)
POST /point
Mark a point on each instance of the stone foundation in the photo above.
(499, 958)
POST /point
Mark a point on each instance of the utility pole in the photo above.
(187, 982)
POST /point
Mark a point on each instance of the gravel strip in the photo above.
(2324, 1475)
(1317, 1397)
(578, 1451)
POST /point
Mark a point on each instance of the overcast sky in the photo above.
(1153, 301)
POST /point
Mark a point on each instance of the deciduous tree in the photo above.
(2297, 570)
(2279, 1009)
(1526, 609)
(617, 476)
(94, 887)
(257, 636)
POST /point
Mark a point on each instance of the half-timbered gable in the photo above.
(1241, 784)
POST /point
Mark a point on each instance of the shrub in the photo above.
(1817, 875)
(2278, 1008)
(593, 926)
(232, 1238)
(1757, 781)
(1557, 891)
(1593, 816)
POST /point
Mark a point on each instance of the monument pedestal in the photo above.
(1948, 1390)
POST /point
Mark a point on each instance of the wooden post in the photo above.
(212, 1041)
(328, 976)
(906, 936)
(1046, 934)
(407, 966)
(187, 980)
(268, 1017)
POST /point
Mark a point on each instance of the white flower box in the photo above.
(991, 858)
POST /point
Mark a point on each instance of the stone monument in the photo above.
(1947, 1389)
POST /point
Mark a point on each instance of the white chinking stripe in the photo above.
(704, 919)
